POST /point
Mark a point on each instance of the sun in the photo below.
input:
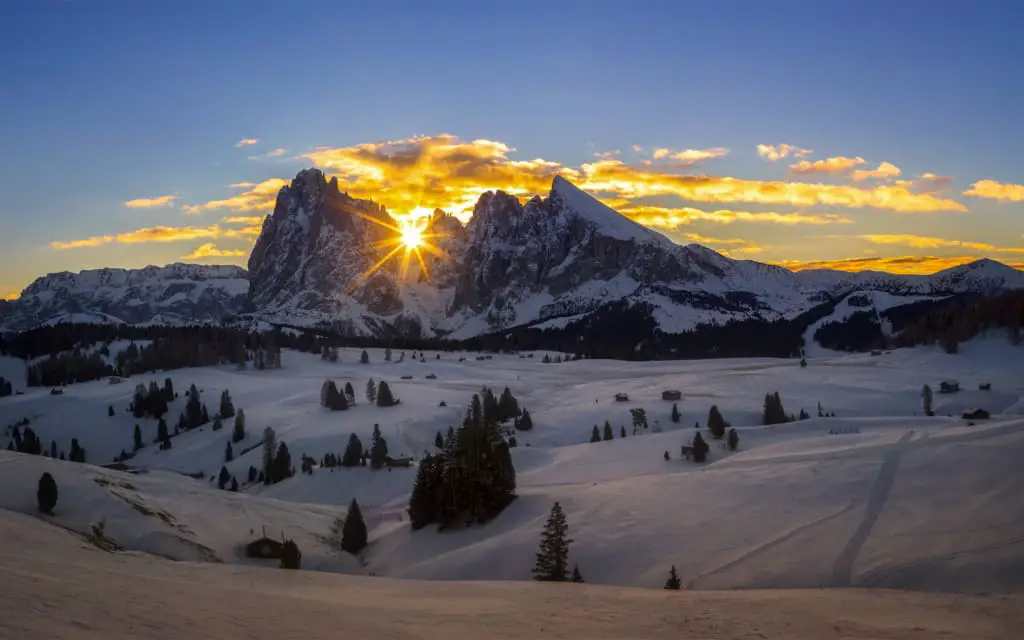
(412, 234)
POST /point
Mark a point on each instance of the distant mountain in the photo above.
(177, 294)
(547, 263)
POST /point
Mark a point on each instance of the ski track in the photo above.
(841, 572)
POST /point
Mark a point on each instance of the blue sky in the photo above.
(107, 101)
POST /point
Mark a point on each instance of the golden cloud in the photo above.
(11, 296)
(734, 246)
(245, 142)
(674, 217)
(994, 190)
(210, 250)
(145, 203)
(927, 242)
(148, 234)
(884, 171)
(775, 153)
(836, 165)
(688, 157)
(899, 265)
(258, 197)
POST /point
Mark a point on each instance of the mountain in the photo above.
(172, 295)
(552, 263)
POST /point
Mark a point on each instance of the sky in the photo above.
(868, 135)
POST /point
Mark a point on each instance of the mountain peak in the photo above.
(609, 222)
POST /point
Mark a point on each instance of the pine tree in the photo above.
(804, 415)
(371, 391)
(774, 413)
(622, 431)
(733, 440)
(182, 424)
(673, 581)
(675, 413)
(281, 468)
(926, 400)
(364, 358)
(716, 423)
(269, 448)
(595, 435)
(576, 577)
(206, 415)
(608, 433)
(46, 493)
(423, 501)
(438, 441)
(700, 448)
(110, 411)
(291, 557)
(378, 449)
(193, 409)
(162, 436)
(222, 479)
(552, 562)
(350, 393)
(387, 355)
(227, 407)
(384, 397)
(508, 406)
(168, 390)
(217, 424)
(137, 437)
(353, 452)
(234, 483)
(239, 432)
(53, 449)
(229, 455)
(353, 537)
(639, 418)
(525, 421)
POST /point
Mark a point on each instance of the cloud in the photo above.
(258, 197)
(245, 142)
(146, 203)
(674, 217)
(147, 234)
(837, 165)
(210, 250)
(734, 246)
(884, 171)
(900, 265)
(14, 295)
(688, 157)
(994, 190)
(699, 239)
(928, 242)
(275, 153)
(608, 155)
(775, 153)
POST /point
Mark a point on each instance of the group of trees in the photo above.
(6, 387)
(335, 400)
(597, 435)
(773, 411)
(471, 478)
(355, 455)
(277, 460)
(28, 442)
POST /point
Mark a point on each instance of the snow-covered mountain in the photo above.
(171, 295)
(545, 263)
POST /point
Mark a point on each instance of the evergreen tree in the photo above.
(281, 468)
(371, 391)
(206, 415)
(229, 455)
(804, 415)
(733, 440)
(222, 479)
(269, 448)
(193, 409)
(182, 423)
(926, 400)
(168, 390)
(508, 406)
(378, 449)
(773, 411)
(353, 452)
(595, 435)
(364, 358)
(639, 418)
(608, 434)
(217, 424)
(666, 456)
(716, 423)
(239, 432)
(162, 436)
(53, 449)
(350, 393)
(291, 557)
(137, 437)
(227, 407)
(700, 448)
(353, 537)
(384, 397)
(110, 411)
(622, 431)
(675, 413)
(438, 441)
(489, 405)
(525, 422)
(552, 562)
(673, 581)
(576, 577)
(234, 483)
(387, 355)
(77, 452)
(46, 493)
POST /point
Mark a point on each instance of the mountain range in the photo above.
(544, 263)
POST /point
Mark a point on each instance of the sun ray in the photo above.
(423, 265)
(412, 238)
(369, 272)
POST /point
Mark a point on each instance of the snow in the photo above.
(897, 500)
(52, 583)
(609, 221)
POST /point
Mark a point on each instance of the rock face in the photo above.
(173, 295)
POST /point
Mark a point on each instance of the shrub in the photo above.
(46, 494)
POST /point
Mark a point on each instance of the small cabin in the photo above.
(406, 377)
(621, 397)
(431, 376)
(985, 386)
(671, 394)
(115, 380)
(976, 414)
(949, 386)
(56, 391)
(399, 462)
(264, 548)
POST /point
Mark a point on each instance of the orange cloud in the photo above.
(245, 142)
(775, 153)
(899, 265)
(884, 171)
(674, 217)
(994, 190)
(734, 245)
(146, 203)
(260, 196)
(148, 234)
(11, 296)
(835, 165)
(928, 242)
(210, 250)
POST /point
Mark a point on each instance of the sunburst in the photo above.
(411, 239)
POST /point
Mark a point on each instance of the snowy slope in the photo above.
(794, 507)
